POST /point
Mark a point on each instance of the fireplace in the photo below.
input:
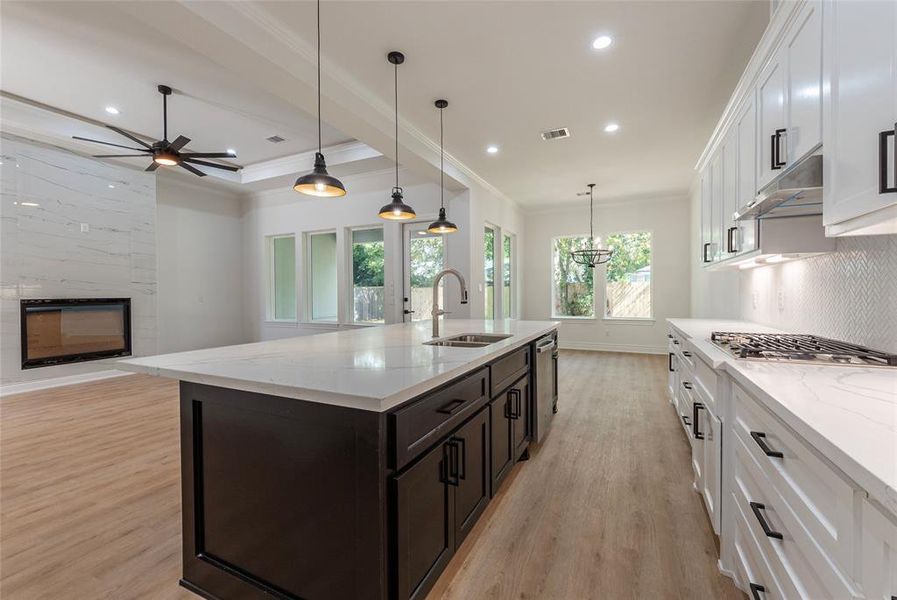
(56, 332)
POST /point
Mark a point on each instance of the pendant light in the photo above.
(319, 182)
(397, 210)
(441, 225)
(592, 256)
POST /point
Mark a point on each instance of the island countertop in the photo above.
(370, 368)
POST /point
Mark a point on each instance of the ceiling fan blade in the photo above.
(128, 135)
(210, 164)
(118, 155)
(207, 155)
(153, 166)
(179, 143)
(191, 169)
(84, 139)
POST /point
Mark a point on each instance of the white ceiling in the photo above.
(508, 69)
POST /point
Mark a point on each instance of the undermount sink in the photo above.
(469, 340)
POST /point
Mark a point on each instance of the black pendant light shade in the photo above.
(591, 256)
(442, 224)
(319, 182)
(397, 210)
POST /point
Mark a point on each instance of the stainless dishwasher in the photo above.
(545, 385)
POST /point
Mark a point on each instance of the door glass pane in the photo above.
(506, 276)
(367, 275)
(322, 274)
(283, 270)
(426, 257)
(572, 288)
(489, 263)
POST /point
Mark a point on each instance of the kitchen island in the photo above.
(348, 464)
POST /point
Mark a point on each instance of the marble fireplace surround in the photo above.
(73, 227)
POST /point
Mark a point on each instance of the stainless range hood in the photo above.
(796, 192)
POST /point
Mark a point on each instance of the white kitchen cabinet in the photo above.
(729, 200)
(706, 218)
(802, 55)
(859, 115)
(879, 555)
(771, 121)
(745, 238)
(711, 430)
(717, 252)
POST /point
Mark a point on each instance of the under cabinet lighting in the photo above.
(231, 151)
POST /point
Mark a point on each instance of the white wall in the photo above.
(283, 211)
(668, 221)
(199, 235)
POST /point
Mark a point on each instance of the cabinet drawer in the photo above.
(795, 561)
(416, 427)
(879, 553)
(706, 380)
(508, 369)
(755, 574)
(822, 501)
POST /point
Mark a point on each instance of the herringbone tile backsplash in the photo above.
(849, 294)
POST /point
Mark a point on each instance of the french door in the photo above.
(424, 258)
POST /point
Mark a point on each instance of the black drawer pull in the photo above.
(704, 251)
(676, 342)
(695, 407)
(672, 370)
(514, 404)
(462, 462)
(775, 155)
(686, 421)
(883, 187)
(756, 507)
(670, 335)
(686, 353)
(451, 407)
(760, 438)
(450, 463)
(730, 239)
(686, 385)
(756, 590)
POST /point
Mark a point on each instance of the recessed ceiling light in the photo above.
(601, 42)
(611, 127)
(111, 187)
(112, 110)
(231, 151)
(29, 204)
(492, 149)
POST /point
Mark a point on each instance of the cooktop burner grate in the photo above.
(800, 347)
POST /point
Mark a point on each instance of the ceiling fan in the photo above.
(163, 152)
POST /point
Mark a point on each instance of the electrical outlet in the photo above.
(754, 300)
(780, 298)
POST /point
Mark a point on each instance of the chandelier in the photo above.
(592, 256)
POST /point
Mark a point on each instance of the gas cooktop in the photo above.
(800, 348)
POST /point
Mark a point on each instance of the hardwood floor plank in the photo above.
(90, 497)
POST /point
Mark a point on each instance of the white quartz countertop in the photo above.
(849, 414)
(371, 368)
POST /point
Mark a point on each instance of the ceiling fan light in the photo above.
(397, 210)
(442, 224)
(166, 158)
(319, 183)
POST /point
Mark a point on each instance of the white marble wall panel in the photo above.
(45, 251)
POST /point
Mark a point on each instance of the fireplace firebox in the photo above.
(60, 331)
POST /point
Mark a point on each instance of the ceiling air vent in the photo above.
(275, 139)
(556, 134)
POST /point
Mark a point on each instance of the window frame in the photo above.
(350, 270)
(512, 272)
(551, 250)
(308, 313)
(631, 320)
(496, 233)
(270, 276)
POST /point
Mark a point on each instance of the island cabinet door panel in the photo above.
(520, 415)
(424, 521)
(472, 493)
(502, 439)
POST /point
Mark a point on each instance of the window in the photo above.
(628, 293)
(572, 289)
(506, 276)
(282, 278)
(322, 287)
(489, 268)
(367, 275)
(424, 259)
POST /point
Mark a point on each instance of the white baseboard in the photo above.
(42, 384)
(599, 347)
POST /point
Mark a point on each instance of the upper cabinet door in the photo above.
(716, 252)
(771, 131)
(706, 217)
(730, 195)
(746, 179)
(859, 113)
(803, 56)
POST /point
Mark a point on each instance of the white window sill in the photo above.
(281, 323)
(574, 319)
(629, 320)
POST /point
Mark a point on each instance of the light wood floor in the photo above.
(90, 498)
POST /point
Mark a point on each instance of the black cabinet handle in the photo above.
(686, 421)
(676, 342)
(672, 370)
(451, 407)
(670, 335)
(756, 507)
(883, 187)
(756, 590)
(706, 247)
(759, 437)
(461, 445)
(450, 463)
(408, 312)
(686, 385)
(686, 353)
(775, 155)
(695, 407)
(513, 399)
(730, 239)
